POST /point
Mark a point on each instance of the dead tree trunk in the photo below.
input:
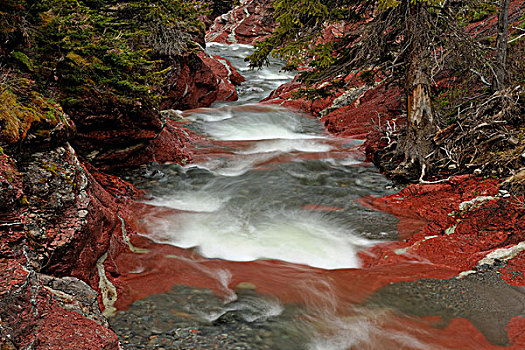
(417, 144)
(498, 82)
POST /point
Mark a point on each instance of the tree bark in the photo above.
(498, 82)
(421, 125)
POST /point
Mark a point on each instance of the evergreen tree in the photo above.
(113, 49)
(413, 42)
(498, 82)
(89, 57)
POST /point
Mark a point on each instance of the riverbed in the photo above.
(256, 244)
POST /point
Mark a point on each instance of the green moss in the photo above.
(112, 51)
(23, 59)
(312, 93)
(19, 115)
(15, 118)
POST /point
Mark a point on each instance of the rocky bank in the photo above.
(464, 226)
(63, 221)
(61, 216)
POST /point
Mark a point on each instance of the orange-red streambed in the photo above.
(426, 250)
(210, 150)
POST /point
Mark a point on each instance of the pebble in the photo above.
(151, 323)
(504, 193)
(245, 286)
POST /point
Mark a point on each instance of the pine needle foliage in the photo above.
(425, 47)
(114, 50)
(376, 35)
(300, 24)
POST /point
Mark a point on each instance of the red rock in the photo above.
(515, 330)
(247, 23)
(105, 128)
(114, 184)
(72, 216)
(288, 95)
(227, 75)
(63, 329)
(31, 317)
(199, 80)
(70, 221)
(128, 148)
(514, 272)
(421, 200)
(171, 145)
(334, 31)
(450, 237)
(10, 183)
(374, 112)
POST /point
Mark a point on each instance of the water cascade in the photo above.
(255, 245)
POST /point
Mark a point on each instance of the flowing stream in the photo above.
(255, 244)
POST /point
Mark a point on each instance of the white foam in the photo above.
(211, 114)
(257, 127)
(364, 330)
(233, 47)
(236, 166)
(240, 132)
(266, 75)
(190, 201)
(293, 237)
(279, 145)
(343, 162)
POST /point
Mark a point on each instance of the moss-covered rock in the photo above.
(104, 63)
(31, 117)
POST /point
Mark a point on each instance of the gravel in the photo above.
(192, 318)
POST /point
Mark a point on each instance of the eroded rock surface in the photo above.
(57, 228)
(42, 312)
(199, 81)
(245, 24)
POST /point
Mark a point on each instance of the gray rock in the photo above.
(346, 99)
(75, 295)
